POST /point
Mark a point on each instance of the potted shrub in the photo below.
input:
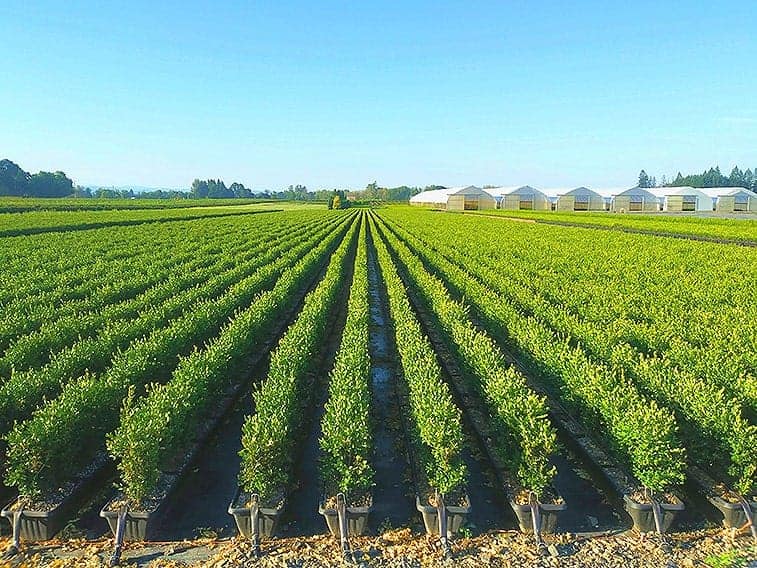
(246, 505)
(42, 516)
(347, 442)
(457, 508)
(641, 506)
(525, 503)
(732, 505)
(357, 515)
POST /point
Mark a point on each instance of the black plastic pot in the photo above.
(36, 525)
(455, 517)
(357, 519)
(548, 514)
(643, 515)
(734, 516)
(268, 518)
(136, 526)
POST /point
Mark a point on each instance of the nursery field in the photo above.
(738, 227)
(272, 371)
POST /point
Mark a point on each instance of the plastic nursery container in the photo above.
(548, 517)
(357, 519)
(643, 515)
(456, 516)
(268, 518)
(137, 523)
(734, 516)
(36, 525)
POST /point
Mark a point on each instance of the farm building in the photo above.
(684, 198)
(455, 199)
(636, 199)
(732, 199)
(523, 197)
(580, 199)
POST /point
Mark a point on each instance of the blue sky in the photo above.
(337, 94)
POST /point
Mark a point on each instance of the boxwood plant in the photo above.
(65, 435)
(26, 390)
(162, 424)
(436, 430)
(269, 435)
(643, 435)
(346, 441)
(524, 438)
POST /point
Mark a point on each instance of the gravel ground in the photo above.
(402, 549)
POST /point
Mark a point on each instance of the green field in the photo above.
(710, 227)
(122, 331)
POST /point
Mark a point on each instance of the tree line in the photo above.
(708, 178)
(19, 183)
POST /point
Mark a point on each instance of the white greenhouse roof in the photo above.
(582, 191)
(663, 192)
(515, 190)
(644, 192)
(502, 190)
(716, 192)
(441, 195)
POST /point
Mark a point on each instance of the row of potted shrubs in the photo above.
(64, 436)
(522, 437)
(25, 389)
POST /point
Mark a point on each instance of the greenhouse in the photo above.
(581, 199)
(677, 199)
(524, 197)
(732, 199)
(636, 199)
(468, 198)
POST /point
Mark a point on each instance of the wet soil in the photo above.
(393, 497)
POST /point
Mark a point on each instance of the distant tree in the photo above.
(736, 179)
(83, 192)
(664, 180)
(336, 203)
(106, 193)
(217, 190)
(643, 179)
(240, 190)
(47, 184)
(13, 180)
(199, 189)
(748, 178)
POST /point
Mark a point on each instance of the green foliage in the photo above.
(122, 323)
(525, 438)
(17, 182)
(684, 357)
(640, 432)
(268, 435)
(437, 434)
(732, 559)
(65, 434)
(163, 423)
(346, 441)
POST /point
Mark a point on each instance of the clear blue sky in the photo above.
(337, 94)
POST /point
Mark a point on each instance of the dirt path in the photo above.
(403, 549)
